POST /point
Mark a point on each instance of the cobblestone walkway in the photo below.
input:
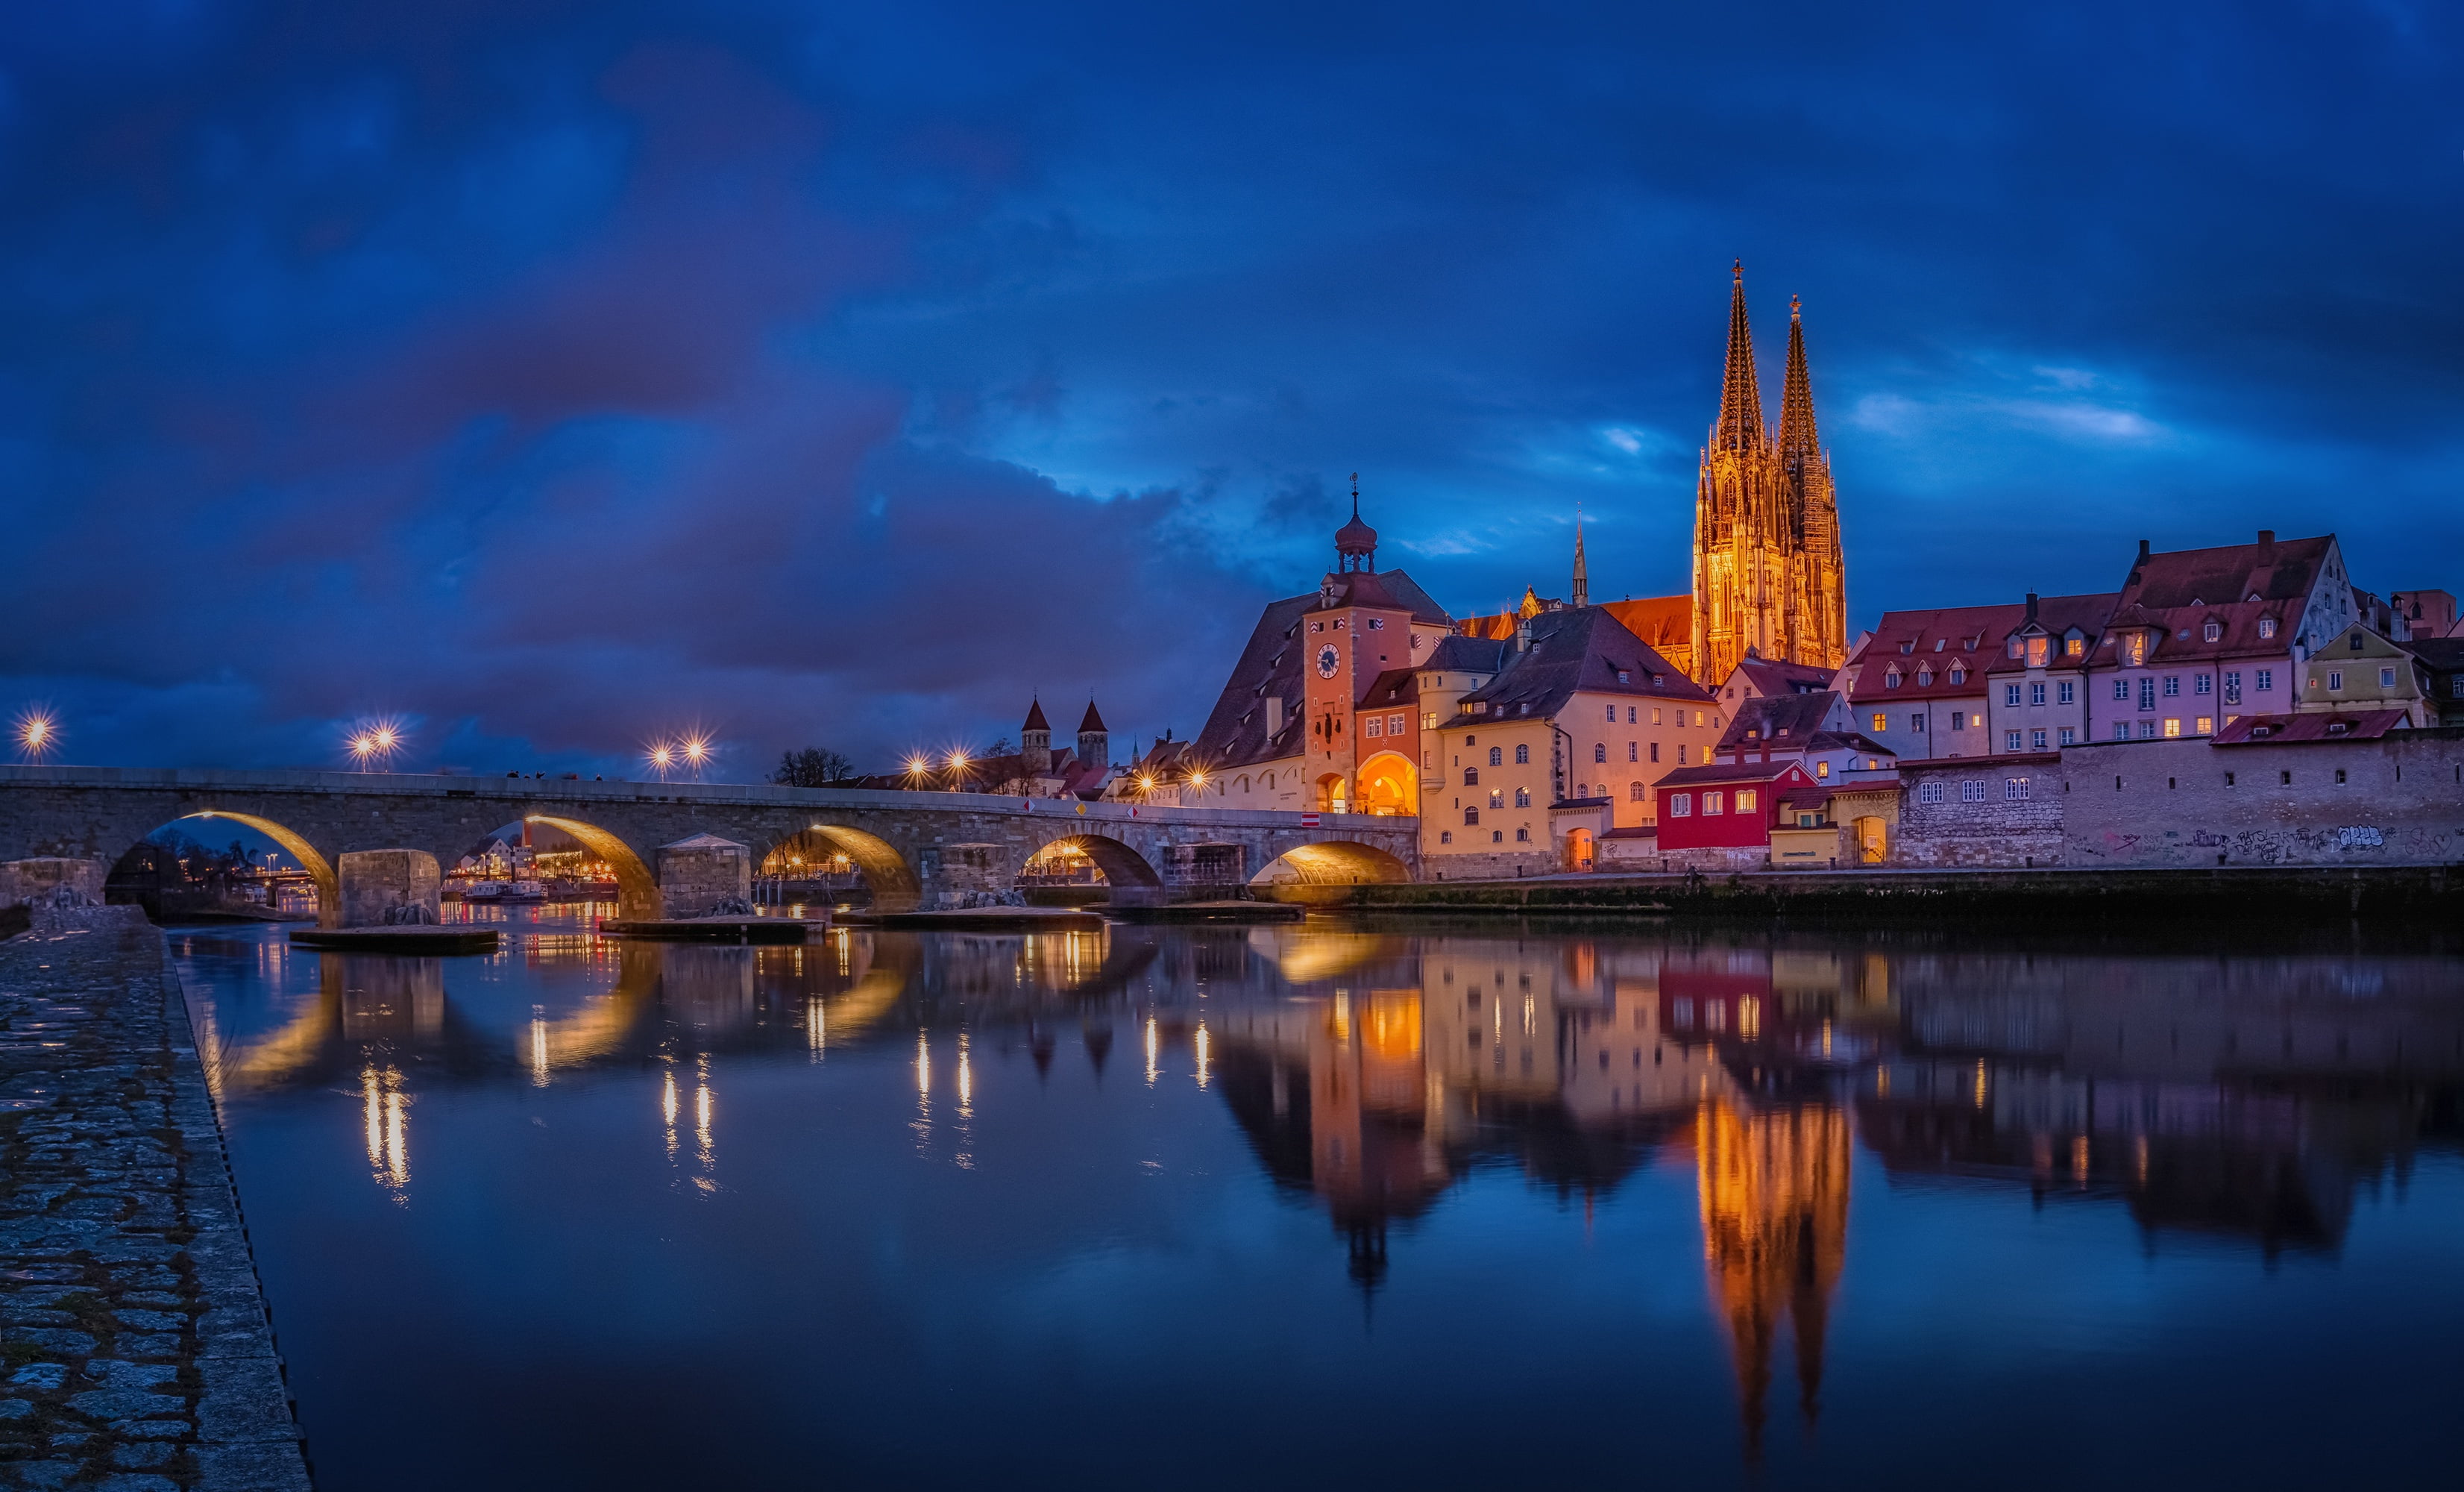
(137, 1352)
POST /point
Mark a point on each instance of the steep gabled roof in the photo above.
(2058, 616)
(1789, 719)
(2278, 569)
(1965, 637)
(1578, 649)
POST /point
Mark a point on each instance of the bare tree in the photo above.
(814, 766)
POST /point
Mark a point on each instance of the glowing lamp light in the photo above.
(1198, 776)
(696, 750)
(38, 733)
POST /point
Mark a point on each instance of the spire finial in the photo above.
(1740, 424)
(1792, 309)
(1356, 494)
(1739, 271)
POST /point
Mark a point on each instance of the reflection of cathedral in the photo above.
(1774, 1188)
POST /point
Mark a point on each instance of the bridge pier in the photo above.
(45, 878)
(382, 887)
(704, 874)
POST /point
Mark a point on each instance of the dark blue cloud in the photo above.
(556, 374)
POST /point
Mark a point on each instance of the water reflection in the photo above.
(1371, 1075)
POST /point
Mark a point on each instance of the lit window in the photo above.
(1680, 805)
(1714, 801)
(1497, 797)
(1429, 720)
(1746, 798)
(2037, 650)
(2207, 724)
(1822, 769)
(2074, 647)
(2213, 631)
(2267, 626)
(1654, 714)
(1879, 724)
(2172, 727)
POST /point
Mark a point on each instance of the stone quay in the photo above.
(139, 1353)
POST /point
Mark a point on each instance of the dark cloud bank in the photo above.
(557, 374)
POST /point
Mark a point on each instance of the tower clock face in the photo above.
(1328, 661)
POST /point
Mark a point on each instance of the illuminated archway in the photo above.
(1333, 862)
(1333, 795)
(894, 884)
(1115, 863)
(637, 888)
(329, 885)
(1388, 784)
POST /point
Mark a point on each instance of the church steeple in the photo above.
(1582, 577)
(1740, 427)
(1355, 543)
(1796, 433)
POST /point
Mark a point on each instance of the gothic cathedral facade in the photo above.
(1767, 576)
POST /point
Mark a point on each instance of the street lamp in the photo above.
(662, 758)
(957, 766)
(918, 768)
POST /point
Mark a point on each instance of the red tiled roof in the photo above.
(2284, 729)
(1966, 637)
(1716, 773)
(2281, 570)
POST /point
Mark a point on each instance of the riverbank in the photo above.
(2306, 894)
(139, 1353)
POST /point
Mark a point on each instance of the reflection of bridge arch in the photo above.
(1333, 862)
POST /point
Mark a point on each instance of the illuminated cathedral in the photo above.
(1767, 567)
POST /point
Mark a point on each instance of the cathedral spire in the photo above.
(1582, 576)
(1741, 397)
(1796, 433)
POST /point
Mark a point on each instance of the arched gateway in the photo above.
(910, 847)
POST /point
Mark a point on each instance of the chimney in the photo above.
(2267, 546)
(2032, 603)
(1523, 635)
(2142, 551)
(1274, 716)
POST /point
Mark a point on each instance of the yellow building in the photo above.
(2360, 670)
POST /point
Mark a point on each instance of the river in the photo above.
(1350, 1205)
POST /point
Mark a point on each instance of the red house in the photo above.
(1726, 806)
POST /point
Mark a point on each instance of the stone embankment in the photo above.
(2303, 894)
(138, 1355)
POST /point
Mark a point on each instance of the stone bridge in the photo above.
(910, 846)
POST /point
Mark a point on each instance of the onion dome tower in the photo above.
(1355, 543)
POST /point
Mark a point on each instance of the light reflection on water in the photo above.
(1385, 1204)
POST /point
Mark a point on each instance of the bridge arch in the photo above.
(637, 887)
(329, 885)
(1333, 862)
(1388, 784)
(893, 882)
(1121, 865)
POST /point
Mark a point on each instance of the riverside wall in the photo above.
(2015, 899)
(140, 1357)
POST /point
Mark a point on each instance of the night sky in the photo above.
(556, 376)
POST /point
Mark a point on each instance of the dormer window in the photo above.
(2134, 648)
(1623, 677)
(1908, 646)
(2012, 648)
(1939, 643)
(2267, 626)
(2357, 642)
(2074, 646)
(1958, 674)
(2213, 631)
(2261, 732)
(1891, 680)
(2337, 728)
(2039, 648)
(1924, 678)
(1660, 680)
